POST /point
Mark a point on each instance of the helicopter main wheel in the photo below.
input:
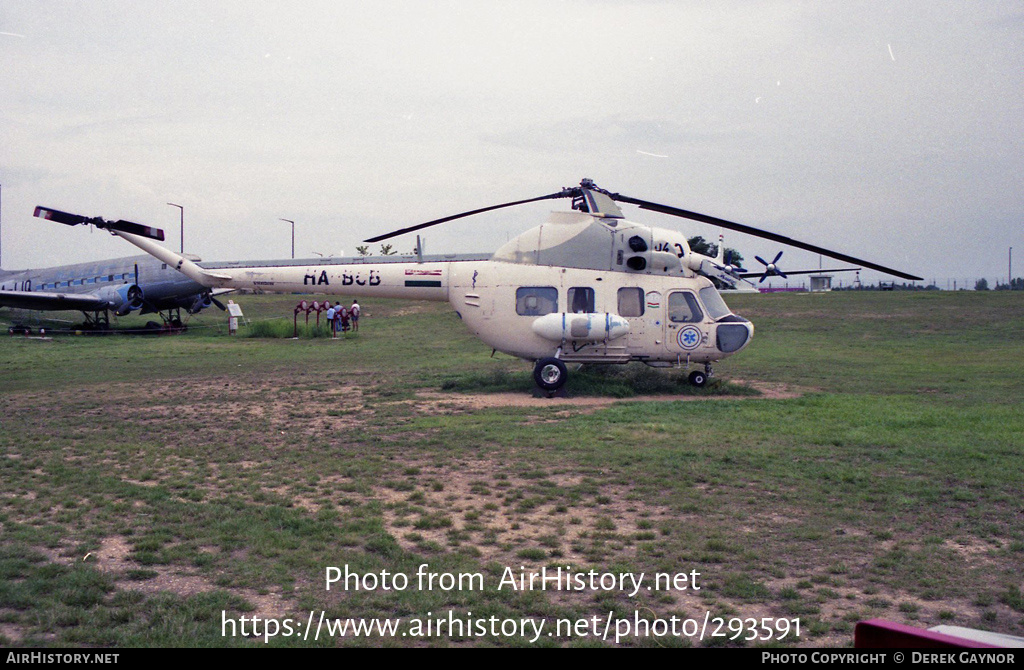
(550, 374)
(698, 378)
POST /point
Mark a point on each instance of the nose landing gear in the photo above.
(699, 378)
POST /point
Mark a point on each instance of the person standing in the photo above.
(342, 316)
(353, 313)
(330, 320)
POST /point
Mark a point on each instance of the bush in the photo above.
(282, 328)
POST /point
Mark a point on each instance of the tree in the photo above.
(387, 250)
(363, 250)
(981, 285)
(699, 245)
(733, 257)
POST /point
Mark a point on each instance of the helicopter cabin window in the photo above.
(581, 300)
(683, 308)
(536, 300)
(717, 309)
(631, 301)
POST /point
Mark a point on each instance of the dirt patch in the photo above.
(974, 551)
(11, 632)
(113, 557)
(516, 521)
(771, 391)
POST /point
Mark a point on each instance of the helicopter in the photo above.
(586, 286)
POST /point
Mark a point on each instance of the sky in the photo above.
(891, 131)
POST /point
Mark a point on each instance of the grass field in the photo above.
(861, 459)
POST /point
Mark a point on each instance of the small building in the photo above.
(821, 283)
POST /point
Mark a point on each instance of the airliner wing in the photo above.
(747, 275)
(51, 301)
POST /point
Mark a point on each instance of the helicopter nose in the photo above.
(731, 337)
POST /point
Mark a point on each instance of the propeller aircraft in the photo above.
(140, 284)
(585, 286)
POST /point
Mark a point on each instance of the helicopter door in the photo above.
(631, 306)
(684, 328)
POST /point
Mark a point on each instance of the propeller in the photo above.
(583, 195)
(218, 303)
(134, 295)
(771, 269)
(729, 267)
(76, 219)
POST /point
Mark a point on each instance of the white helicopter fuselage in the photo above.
(637, 298)
(617, 318)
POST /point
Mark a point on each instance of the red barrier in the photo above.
(881, 634)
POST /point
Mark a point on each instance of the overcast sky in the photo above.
(892, 131)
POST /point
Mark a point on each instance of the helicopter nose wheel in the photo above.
(698, 378)
(550, 374)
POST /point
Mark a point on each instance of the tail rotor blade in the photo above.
(66, 218)
(69, 219)
(135, 229)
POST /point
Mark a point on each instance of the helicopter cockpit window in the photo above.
(712, 300)
(536, 300)
(631, 301)
(683, 308)
(581, 300)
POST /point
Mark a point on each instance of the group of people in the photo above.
(341, 318)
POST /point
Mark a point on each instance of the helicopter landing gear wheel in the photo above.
(550, 374)
(698, 378)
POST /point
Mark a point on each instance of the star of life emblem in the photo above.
(689, 337)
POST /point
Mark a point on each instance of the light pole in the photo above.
(182, 213)
(293, 234)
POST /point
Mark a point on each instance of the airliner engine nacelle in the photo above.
(201, 302)
(123, 299)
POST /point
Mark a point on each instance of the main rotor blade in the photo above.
(756, 232)
(564, 193)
